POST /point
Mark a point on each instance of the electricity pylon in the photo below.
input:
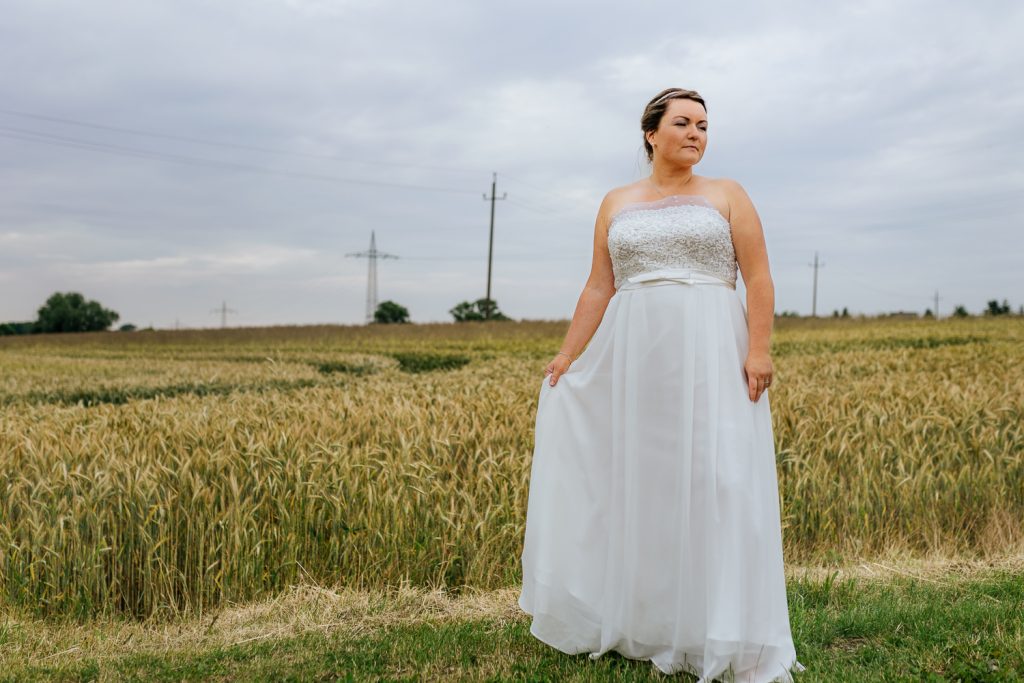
(371, 276)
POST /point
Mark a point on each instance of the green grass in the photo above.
(954, 628)
(125, 395)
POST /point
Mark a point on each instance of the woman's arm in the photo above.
(597, 291)
(752, 257)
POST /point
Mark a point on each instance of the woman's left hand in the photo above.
(759, 371)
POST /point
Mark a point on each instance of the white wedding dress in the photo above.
(653, 524)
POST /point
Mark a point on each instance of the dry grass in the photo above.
(299, 609)
(351, 613)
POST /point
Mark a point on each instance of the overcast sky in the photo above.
(165, 157)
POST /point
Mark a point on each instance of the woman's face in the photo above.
(682, 133)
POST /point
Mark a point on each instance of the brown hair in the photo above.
(656, 108)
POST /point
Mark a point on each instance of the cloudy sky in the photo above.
(166, 157)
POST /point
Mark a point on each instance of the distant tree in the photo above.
(390, 312)
(835, 313)
(17, 327)
(928, 313)
(960, 312)
(127, 327)
(846, 313)
(70, 312)
(466, 311)
(994, 308)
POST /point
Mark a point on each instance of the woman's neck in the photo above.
(671, 178)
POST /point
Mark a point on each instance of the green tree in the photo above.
(70, 312)
(478, 310)
(995, 309)
(390, 312)
(960, 312)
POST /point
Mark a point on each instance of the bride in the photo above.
(653, 525)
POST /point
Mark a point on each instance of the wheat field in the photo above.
(153, 474)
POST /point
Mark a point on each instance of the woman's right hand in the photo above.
(557, 367)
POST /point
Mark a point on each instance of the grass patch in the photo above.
(954, 628)
(427, 362)
(358, 369)
(123, 395)
(784, 348)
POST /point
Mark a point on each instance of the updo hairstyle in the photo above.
(656, 108)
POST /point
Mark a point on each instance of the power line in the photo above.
(122, 150)
(230, 145)
(536, 209)
(560, 198)
(49, 138)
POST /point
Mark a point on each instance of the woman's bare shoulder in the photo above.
(725, 193)
(728, 188)
(619, 196)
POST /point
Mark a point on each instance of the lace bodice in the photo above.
(680, 231)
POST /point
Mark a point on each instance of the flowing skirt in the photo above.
(653, 524)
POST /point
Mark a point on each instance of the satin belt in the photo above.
(668, 276)
(685, 276)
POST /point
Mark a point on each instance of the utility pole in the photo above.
(490, 246)
(814, 295)
(371, 275)
(223, 310)
(936, 311)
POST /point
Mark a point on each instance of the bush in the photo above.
(478, 310)
(390, 312)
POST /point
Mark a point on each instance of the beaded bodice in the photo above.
(679, 231)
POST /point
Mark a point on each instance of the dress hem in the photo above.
(781, 676)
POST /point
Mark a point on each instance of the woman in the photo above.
(653, 524)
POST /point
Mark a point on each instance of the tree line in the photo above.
(71, 312)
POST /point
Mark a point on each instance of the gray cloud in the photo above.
(881, 135)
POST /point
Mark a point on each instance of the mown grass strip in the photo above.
(851, 630)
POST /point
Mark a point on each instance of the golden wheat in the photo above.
(159, 473)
